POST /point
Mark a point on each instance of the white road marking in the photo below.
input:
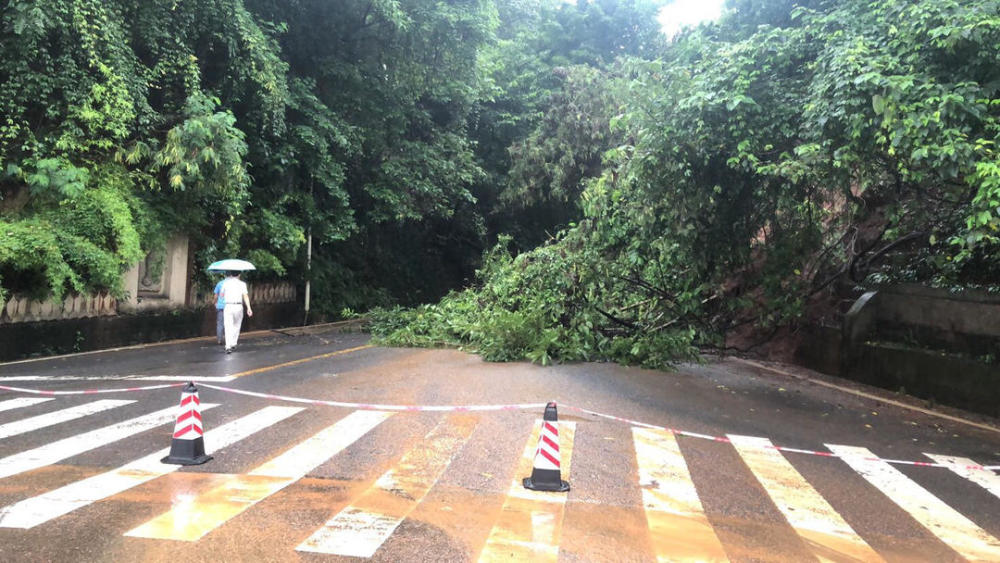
(58, 417)
(820, 526)
(970, 470)
(514, 536)
(20, 402)
(74, 445)
(297, 462)
(56, 378)
(353, 532)
(678, 527)
(194, 378)
(360, 529)
(954, 529)
(191, 520)
(37, 510)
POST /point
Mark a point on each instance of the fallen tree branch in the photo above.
(898, 242)
(616, 320)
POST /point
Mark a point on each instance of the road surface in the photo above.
(343, 450)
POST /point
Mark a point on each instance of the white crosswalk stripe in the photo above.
(20, 402)
(360, 529)
(58, 417)
(530, 522)
(970, 470)
(678, 527)
(954, 529)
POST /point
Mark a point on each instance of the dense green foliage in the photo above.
(247, 125)
(658, 194)
(759, 163)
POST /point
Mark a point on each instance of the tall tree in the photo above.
(541, 131)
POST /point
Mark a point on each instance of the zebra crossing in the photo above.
(523, 525)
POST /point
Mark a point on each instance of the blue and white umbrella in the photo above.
(231, 265)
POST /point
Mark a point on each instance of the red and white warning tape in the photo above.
(472, 408)
(449, 408)
(375, 407)
(723, 439)
(89, 391)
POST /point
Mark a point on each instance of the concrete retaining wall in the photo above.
(939, 378)
(928, 343)
(966, 323)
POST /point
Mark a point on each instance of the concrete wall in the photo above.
(944, 314)
(928, 343)
(31, 339)
(936, 377)
(820, 349)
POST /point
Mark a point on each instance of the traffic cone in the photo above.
(188, 444)
(545, 475)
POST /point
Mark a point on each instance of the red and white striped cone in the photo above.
(188, 444)
(545, 476)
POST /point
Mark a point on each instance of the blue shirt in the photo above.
(219, 302)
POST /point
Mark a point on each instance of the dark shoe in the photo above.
(229, 350)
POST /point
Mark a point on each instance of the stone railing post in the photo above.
(858, 323)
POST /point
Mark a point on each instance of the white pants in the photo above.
(232, 320)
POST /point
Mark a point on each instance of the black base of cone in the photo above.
(558, 487)
(185, 461)
(540, 480)
(187, 452)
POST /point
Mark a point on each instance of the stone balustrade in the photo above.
(20, 309)
(277, 292)
(272, 292)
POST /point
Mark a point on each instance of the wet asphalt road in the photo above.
(603, 517)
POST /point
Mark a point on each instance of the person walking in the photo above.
(234, 293)
(220, 316)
